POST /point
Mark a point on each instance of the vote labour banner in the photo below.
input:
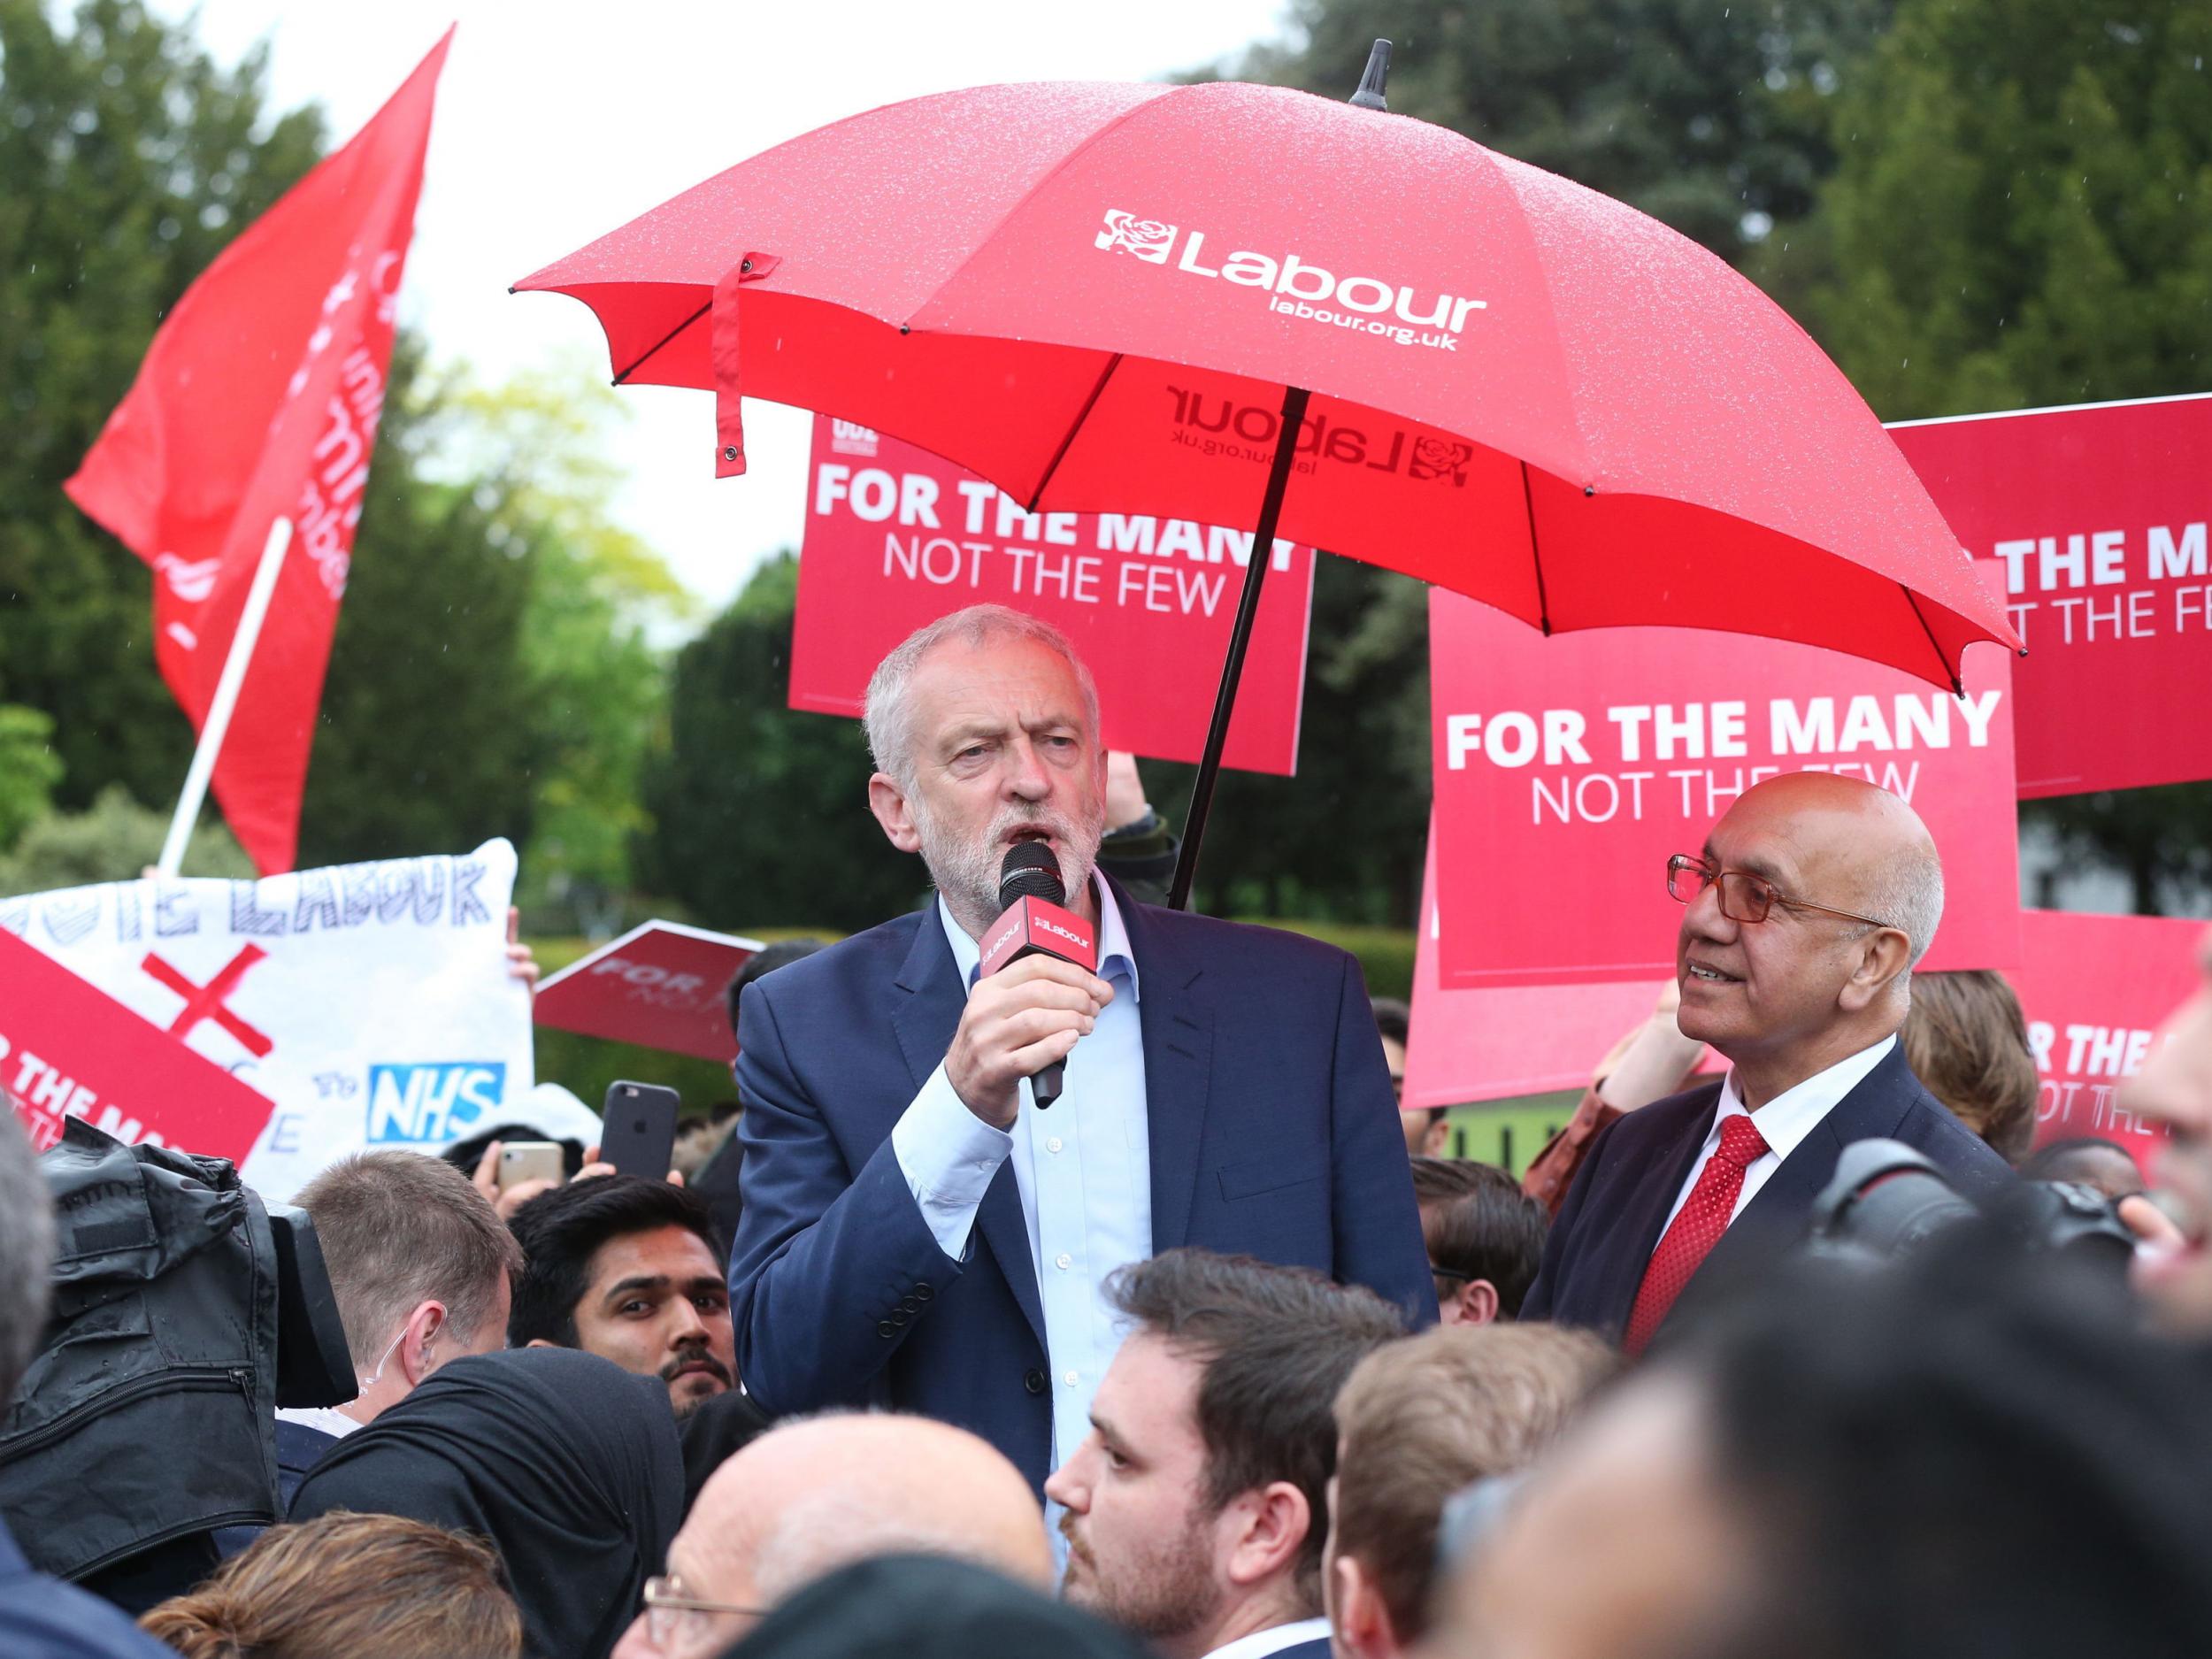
(259, 399)
(67, 1048)
(1504, 1040)
(897, 537)
(370, 1004)
(2096, 516)
(1568, 769)
(2095, 990)
(662, 986)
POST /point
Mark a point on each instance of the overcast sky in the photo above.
(557, 122)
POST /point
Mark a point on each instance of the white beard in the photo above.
(967, 873)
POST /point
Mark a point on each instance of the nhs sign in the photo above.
(433, 1102)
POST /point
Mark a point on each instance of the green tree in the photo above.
(2023, 216)
(127, 159)
(759, 812)
(111, 840)
(31, 769)
(1708, 114)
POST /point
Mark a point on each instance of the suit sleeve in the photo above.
(1559, 1241)
(831, 1269)
(1376, 1223)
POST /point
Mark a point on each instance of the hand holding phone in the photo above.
(639, 1135)
(521, 1161)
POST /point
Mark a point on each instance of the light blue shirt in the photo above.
(1084, 1169)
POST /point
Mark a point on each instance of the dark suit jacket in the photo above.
(1271, 1128)
(298, 1449)
(41, 1618)
(1595, 1258)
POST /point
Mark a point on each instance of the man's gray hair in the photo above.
(402, 1228)
(889, 721)
(1908, 893)
(26, 1251)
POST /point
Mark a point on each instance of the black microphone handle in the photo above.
(1044, 1088)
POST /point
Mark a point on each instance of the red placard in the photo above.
(661, 986)
(2095, 990)
(69, 1049)
(896, 538)
(1568, 770)
(2097, 517)
(1483, 1045)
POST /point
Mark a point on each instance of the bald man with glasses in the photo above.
(1804, 915)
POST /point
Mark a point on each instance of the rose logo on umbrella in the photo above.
(1147, 238)
(1440, 458)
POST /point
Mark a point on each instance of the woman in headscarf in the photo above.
(565, 1461)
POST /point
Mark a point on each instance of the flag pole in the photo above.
(218, 711)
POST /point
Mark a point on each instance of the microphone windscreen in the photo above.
(1029, 871)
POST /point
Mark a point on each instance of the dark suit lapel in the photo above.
(1177, 1022)
(1776, 1219)
(925, 1020)
(1644, 1207)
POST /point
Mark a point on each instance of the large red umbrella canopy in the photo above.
(1095, 295)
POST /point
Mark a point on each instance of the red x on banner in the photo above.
(205, 1002)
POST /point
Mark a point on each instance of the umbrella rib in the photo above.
(1068, 437)
(662, 340)
(1543, 604)
(1958, 687)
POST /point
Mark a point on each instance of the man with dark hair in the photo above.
(41, 1618)
(630, 1269)
(1486, 1238)
(1426, 1132)
(1857, 1465)
(2089, 1159)
(1196, 1508)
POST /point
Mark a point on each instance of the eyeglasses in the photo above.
(1743, 897)
(674, 1621)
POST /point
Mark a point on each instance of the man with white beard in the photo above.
(917, 1232)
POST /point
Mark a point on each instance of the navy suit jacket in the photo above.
(1611, 1224)
(1273, 1130)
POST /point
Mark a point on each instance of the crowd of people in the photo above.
(1216, 1356)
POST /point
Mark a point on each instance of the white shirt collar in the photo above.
(1261, 1643)
(1786, 1121)
(1113, 939)
(328, 1419)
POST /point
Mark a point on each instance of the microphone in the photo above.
(1036, 923)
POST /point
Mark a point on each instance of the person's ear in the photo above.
(1477, 1304)
(1882, 955)
(1436, 1138)
(424, 1326)
(894, 812)
(1363, 1622)
(539, 1341)
(1272, 1522)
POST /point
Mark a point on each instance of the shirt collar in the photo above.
(324, 1419)
(1113, 954)
(1786, 1121)
(1261, 1643)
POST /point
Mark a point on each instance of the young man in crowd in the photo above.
(818, 1493)
(1486, 1238)
(630, 1269)
(1196, 1508)
(1419, 1421)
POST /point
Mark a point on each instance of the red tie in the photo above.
(1703, 1218)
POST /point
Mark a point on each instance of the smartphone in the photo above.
(521, 1161)
(639, 1135)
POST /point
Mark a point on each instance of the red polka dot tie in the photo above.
(1696, 1229)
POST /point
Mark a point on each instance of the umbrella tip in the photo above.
(1370, 96)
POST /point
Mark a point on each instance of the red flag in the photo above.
(259, 398)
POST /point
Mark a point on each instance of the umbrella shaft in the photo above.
(1201, 793)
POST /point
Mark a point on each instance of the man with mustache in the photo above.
(630, 1269)
(1804, 915)
(916, 1232)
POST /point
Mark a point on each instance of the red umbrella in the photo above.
(1237, 304)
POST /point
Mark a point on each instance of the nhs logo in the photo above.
(438, 1102)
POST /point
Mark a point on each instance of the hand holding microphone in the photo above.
(1038, 993)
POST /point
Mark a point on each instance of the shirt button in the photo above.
(1072, 1377)
(1053, 1145)
(1063, 1261)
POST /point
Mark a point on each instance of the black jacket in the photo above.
(1595, 1258)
